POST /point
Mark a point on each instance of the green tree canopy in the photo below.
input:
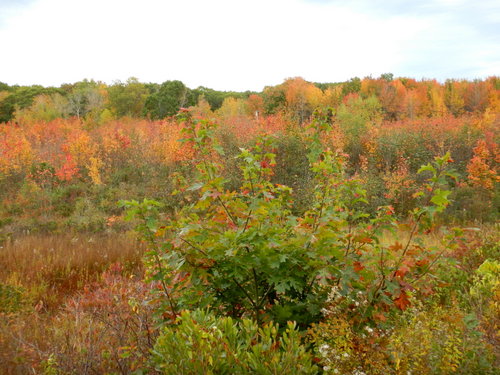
(127, 99)
(166, 99)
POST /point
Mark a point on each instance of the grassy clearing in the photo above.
(50, 267)
(66, 295)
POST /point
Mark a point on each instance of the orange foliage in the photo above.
(168, 146)
(115, 139)
(80, 146)
(435, 127)
(370, 86)
(255, 105)
(246, 129)
(298, 92)
(302, 98)
(426, 113)
(68, 170)
(481, 173)
(476, 96)
(16, 153)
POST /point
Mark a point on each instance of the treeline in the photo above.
(396, 99)
(97, 101)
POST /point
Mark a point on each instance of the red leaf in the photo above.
(402, 271)
(358, 266)
(402, 302)
(396, 247)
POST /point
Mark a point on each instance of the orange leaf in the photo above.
(402, 302)
(396, 246)
(364, 240)
(380, 317)
(358, 266)
(402, 271)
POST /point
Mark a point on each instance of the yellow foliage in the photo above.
(232, 107)
(4, 95)
(81, 147)
(44, 108)
(106, 116)
(94, 166)
(429, 340)
(436, 94)
(15, 150)
(333, 96)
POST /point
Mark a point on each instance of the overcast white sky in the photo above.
(246, 44)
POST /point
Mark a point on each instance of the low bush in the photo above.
(204, 344)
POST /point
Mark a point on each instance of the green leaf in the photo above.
(219, 150)
(440, 198)
(195, 186)
(392, 287)
(427, 167)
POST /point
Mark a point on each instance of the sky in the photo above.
(246, 44)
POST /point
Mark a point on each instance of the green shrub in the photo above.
(243, 253)
(87, 217)
(486, 282)
(292, 169)
(64, 197)
(12, 299)
(204, 344)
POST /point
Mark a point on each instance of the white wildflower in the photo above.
(323, 349)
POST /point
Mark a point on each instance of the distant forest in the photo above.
(97, 102)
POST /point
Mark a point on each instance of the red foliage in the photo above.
(68, 170)
(402, 301)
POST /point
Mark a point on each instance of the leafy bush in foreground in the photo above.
(204, 344)
(243, 253)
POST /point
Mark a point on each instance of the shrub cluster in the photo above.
(244, 255)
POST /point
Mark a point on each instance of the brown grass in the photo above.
(60, 276)
(51, 267)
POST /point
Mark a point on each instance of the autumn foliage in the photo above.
(331, 205)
